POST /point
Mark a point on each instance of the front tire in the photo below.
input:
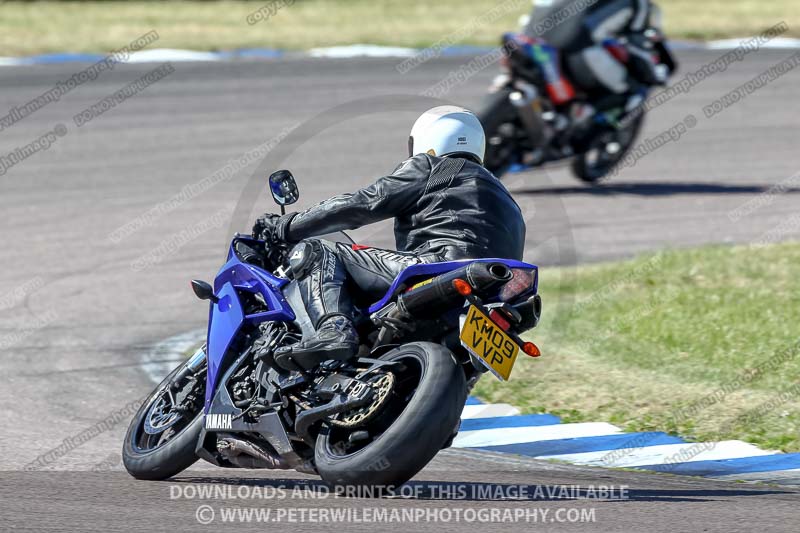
(156, 456)
(423, 427)
(595, 163)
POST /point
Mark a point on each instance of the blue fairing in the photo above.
(226, 318)
(227, 315)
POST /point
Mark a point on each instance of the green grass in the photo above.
(634, 343)
(100, 26)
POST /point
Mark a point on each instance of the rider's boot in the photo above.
(336, 338)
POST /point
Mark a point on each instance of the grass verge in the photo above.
(100, 26)
(702, 343)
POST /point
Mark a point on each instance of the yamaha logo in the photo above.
(219, 421)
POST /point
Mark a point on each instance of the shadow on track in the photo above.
(474, 491)
(651, 188)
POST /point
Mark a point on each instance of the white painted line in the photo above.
(169, 54)
(780, 43)
(489, 410)
(363, 50)
(502, 436)
(663, 454)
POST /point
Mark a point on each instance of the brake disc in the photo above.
(382, 386)
(160, 416)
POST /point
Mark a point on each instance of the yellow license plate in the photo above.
(485, 340)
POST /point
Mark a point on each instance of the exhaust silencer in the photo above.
(438, 296)
(247, 454)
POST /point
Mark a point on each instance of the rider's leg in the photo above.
(322, 270)
(373, 270)
(321, 278)
(595, 68)
(592, 66)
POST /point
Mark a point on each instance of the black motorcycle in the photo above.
(533, 115)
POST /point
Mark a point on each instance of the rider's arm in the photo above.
(388, 197)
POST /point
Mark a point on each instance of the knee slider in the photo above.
(303, 257)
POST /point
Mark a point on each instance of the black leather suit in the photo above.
(578, 27)
(444, 209)
(571, 25)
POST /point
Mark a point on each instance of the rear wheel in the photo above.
(424, 407)
(498, 115)
(162, 436)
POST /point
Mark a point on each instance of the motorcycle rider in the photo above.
(578, 28)
(445, 204)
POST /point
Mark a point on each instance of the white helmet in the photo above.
(447, 130)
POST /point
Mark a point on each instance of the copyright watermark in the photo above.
(438, 491)
(267, 11)
(40, 144)
(206, 514)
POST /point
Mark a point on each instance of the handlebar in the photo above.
(273, 255)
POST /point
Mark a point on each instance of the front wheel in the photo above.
(423, 410)
(162, 436)
(605, 151)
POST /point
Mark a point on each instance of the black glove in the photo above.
(265, 225)
(272, 228)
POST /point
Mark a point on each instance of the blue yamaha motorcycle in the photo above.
(377, 419)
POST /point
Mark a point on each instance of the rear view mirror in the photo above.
(283, 188)
(203, 290)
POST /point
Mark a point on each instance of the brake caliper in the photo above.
(382, 385)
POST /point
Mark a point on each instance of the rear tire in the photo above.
(416, 435)
(170, 458)
(500, 152)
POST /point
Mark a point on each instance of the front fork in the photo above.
(526, 100)
(192, 367)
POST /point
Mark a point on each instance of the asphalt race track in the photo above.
(79, 305)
